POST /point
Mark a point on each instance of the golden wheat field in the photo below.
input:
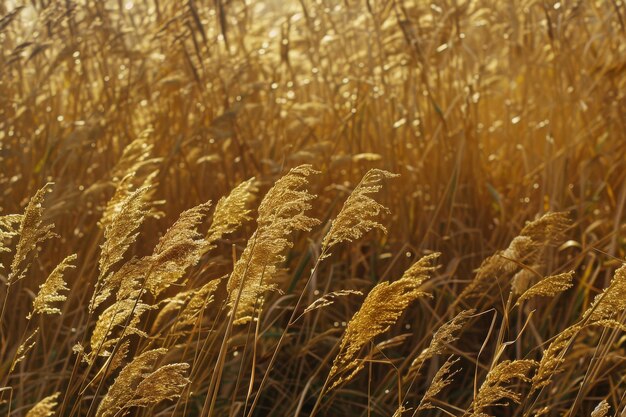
(369, 208)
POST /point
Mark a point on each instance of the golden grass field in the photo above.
(312, 208)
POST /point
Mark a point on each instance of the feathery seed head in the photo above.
(178, 249)
(123, 389)
(548, 228)
(525, 248)
(231, 211)
(166, 383)
(116, 315)
(49, 290)
(493, 389)
(9, 226)
(359, 211)
(24, 348)
(121, 230)
(442, 379)
(379, 311)
(549, 286)
(189, 303)
(32, 232)
(611, 301)
(280, 214)
(45, 407)
(442, 338)
(601, 410)
(552, 358)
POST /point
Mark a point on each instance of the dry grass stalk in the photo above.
(189, 303)
(49, 290)
(400, 411)
(32, 232)
(45, 407)
(552, 358)
(442, 338)
(119, 233)
(601, 410)
(178, 249)
(329, 299)
(24, 348)
(549, 286)
(358, 213)
(280, 213)
(379, 311)
(9, 228)
(442, 379)
(611, 301)
(542, 411)
(134, 169)
(133, 387)
(493, 389)
(524, 248)
(125, 312)
(231, 211)
(166, 383)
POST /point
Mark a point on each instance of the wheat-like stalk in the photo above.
(9, 228)
(494, 389)
(601, 410)
(231, 211)
(281, 213)
(189, 303)
(543, 232)
(45, 407)
(442, 379)
(32, 232)
(49, 290)
(24, 348)
(127, 313)
(134, 387)
(553, 358)
(379, 311)
(357, 216)
(119, 233)
(549, 286)
(442, 338)
(611, 301)
(178, 249)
